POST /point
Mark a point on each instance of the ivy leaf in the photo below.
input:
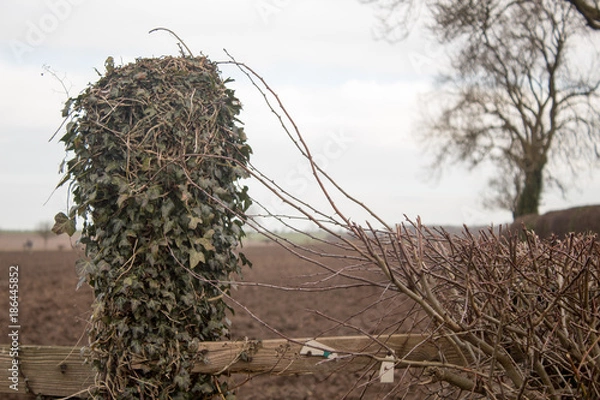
(206, 243)
(244, 260)
(127, 282)
(83, 267)
(194, 221)
(196, 257)
(63, 224)
(182, 381)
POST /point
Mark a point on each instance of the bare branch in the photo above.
(510, 310)
(590, 10)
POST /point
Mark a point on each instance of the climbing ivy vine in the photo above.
(155, 155)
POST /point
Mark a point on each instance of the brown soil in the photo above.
(52, 312)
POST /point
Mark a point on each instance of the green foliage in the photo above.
(157, 155)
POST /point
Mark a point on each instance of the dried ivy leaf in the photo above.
(194, 222)
(63, 224)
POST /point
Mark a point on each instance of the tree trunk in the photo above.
(529, 198)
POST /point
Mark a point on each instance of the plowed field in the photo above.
(52, 312)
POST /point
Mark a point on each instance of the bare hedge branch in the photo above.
(524, 315)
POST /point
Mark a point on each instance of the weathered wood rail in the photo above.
(62, 371)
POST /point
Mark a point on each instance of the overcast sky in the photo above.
(355, 99)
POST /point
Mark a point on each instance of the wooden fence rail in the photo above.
(61, 371)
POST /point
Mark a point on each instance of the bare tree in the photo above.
(396, 17)
(44, 230)
(590, 10)
(515, 97)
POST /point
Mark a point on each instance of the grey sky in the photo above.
(354, 98)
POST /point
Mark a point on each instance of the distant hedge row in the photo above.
(562, 222)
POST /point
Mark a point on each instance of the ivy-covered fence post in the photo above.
(155, 155)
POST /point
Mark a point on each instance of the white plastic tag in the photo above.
(386, 371)
(314, 348)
